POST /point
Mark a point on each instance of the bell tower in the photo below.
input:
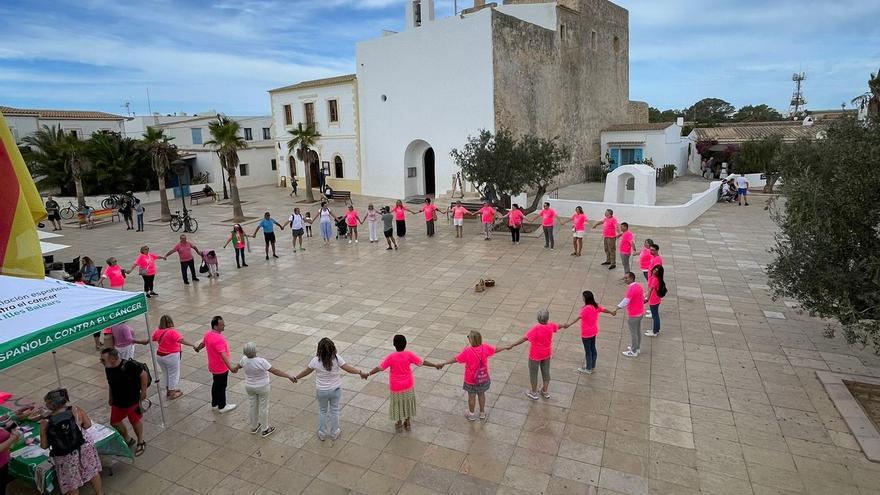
(419, 12)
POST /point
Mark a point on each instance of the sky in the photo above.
(199, 55)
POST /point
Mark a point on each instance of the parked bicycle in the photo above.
(112, 201)
(188, 223)
(70, 210)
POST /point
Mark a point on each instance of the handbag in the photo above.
(482, 374)
(204, 267)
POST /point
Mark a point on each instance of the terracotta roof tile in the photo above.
(314, 83)
(58, 114)
(646, 126)
(728, 134)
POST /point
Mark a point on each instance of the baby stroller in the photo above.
(341, 227)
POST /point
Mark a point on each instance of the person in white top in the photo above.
(256, 384)
(742, 189)
(372, 218)
(325, 221)
(297, 227)
(328, 385)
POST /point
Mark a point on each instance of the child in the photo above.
(540, 339)
(645, 257)
(475, 358)
(239, 240)
(402, 406)
(627, 245)
(308, 224)
(388, 227)
(210, 258)
(589, 317)
(372, 218)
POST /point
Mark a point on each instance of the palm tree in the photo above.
(304, 138)
(72, 149)
(226, 143)
(870, 100)
(162, 153)
(43, 155)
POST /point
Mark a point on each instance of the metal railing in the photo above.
(665, 174)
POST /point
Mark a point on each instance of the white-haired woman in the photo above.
(256, 384)
(540, 339)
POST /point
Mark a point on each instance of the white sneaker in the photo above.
(470, 416)
(630, 353)
(532, 395)
(229, 407)
(321, 435)
(582, 370)
(338, 431)
(651, 334)
(349, 241)
(355, 241)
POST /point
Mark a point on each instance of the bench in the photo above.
(344, 196)
(99, 216)
(196, 196)
(469, 206)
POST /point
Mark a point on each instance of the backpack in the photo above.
(63, 434)
(139, 366)
(662, 291)
(482, 374)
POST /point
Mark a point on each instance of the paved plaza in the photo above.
(726, 401)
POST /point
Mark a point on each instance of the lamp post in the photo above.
(179, 167)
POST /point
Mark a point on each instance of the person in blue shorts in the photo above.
(268, 226)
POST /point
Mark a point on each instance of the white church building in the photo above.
(557, 68)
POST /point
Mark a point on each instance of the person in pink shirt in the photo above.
(475, 358)
(399, 211)
(373, 217)
(458, 213)
(239, 241)
(402, 406)
(634, 302)
(185, 250)
(656, 290)
(114, 274)
(578, 221)
(589, 318)
(146, 264)
(656, 259)
(609, 237)
(548, 218)
(514, 222)
(168, 353)
(487, 216)
(351, 220)
(219, 365)
(626, 247)
(430, 210)
(645, 257)
(540, 339)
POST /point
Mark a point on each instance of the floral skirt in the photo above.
(74, 470)
(402, 405)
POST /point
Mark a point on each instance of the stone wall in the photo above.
(637, 113)
(553, 83)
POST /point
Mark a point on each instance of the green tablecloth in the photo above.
(109, 442)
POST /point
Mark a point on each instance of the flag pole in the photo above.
(155, 370)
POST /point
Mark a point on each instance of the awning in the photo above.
(618, 144)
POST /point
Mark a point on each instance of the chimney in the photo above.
(679, 121)
(479, 3)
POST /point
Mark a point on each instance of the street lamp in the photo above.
(179, 167)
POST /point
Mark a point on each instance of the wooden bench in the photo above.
(196, 196)
(99, 216)
(469, 206)
(344, 196)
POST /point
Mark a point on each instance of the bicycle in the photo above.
(111, 202)
(70, 211)
(188, 223)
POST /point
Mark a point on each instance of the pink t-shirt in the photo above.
(547, 215)
(578, 220)
(400, 377)
(4, 456)
(429, 210)
(487, 214)
(184, 250)
(609, 227)
(147, 263)
(655, 261)
(626, 242)
(399, 212)
(237, 239)
(473, 358)
(123, 335)
(645, 259)
(653, 287)
(351, 218)
(215, 346)
(540, 339)
(114, 275)
(168, 340)
(458, 212)
(590, 320)
(515, 218)
(636, 296)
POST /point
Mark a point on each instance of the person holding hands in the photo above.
(475, 358)
(219, 364)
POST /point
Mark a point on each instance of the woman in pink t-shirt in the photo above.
(458, 213)
(540, 339)
(168, 353)
(656, 286)
(399, 211)
(589, 318)
(487, 217)
(402, 406)
(351, 220)
(430, 210)
(475, 358)
(514, 222)
(626, 246)
(146, 264)
(578, 220)
(645, 257)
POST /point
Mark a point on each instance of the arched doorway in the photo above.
(314, 169)
(626, 188)
(419, 169)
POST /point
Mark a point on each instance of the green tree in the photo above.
(226, 143)
(501, 163)
(709, 110)
(114, 160)
(72, 149)
(757, 113)
(162, 153)
(304, 138)
(656, 115)
(760, 156)
(45, 159)
(828, 248)
(871, 98)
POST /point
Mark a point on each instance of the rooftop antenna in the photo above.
(127, 106)
(150, 109)
(798, 102)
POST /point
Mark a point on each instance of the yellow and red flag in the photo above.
(20, 210)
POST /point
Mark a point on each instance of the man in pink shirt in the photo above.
(609, 236)
(634, 302)
(656, 259)
(185, 250)
(487, 216)
(627, 246)
(548, 217)
(219, 365)
(429, 210)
